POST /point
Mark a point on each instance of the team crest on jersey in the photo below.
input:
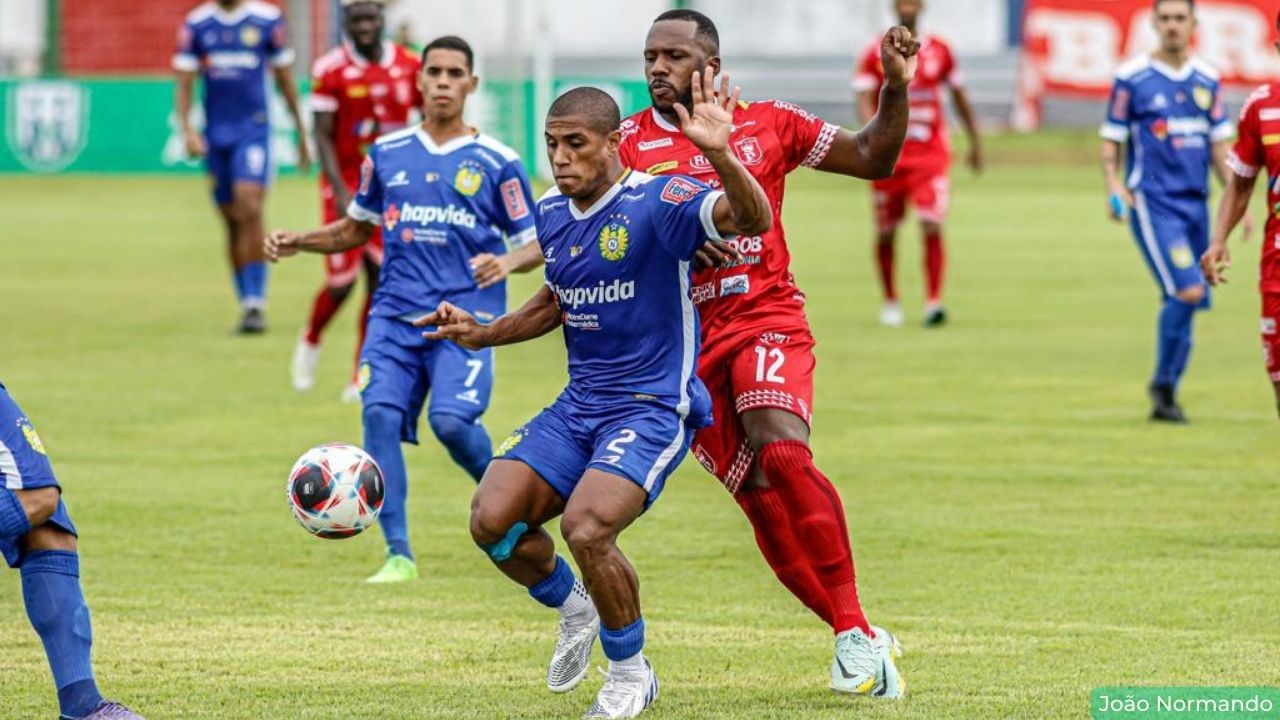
(614, 238)
(1182, 257)
(29, 433)
(47, 123)
(678, 190)
(363, 376)
(510, 443)
(1203, 97)
(749, 151)
(469, 178)
(250, 36)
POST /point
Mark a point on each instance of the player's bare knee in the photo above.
(39, 504)
(586, 533)
(487, 527)
(48, 537)
(1193, 295)
(764, 427)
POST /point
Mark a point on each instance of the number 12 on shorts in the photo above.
(768, 363)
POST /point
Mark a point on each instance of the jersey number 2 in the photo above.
(627, 435)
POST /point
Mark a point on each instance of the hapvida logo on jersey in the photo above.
(427, 214)
(617, 291)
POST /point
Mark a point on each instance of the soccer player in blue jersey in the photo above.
(231, 44)
(38, 538)
(450, 201)
(619, 246)
(1167, 110)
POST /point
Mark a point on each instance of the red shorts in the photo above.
(765, 370)
(1271, 334)
(928, 188)
(342, 269)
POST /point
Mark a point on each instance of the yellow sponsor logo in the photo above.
(1272, 139)
(509, 444)
(358, 91)
(662, 167)
(363, 377)
(29, 433)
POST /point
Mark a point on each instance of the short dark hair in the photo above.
(599, 109)
(706, 28)
(1191, 3)
(451, 42)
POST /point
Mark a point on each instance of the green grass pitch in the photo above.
(1016, 520)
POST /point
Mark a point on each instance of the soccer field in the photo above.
(1016, 520)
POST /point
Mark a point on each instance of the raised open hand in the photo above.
(711, 122)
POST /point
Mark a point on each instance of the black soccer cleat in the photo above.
(253, 322)
(1164, 405)
(935, 317)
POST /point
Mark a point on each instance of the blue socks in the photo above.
(382, 440)
(237, 277)
(1173, 343)
(623, 644)
(555, 589)
(255, 284)
(56, 608)
(13, 517)
(467, 442)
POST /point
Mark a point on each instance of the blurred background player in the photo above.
(601, 453)
(757, 359)
(1166, 108)
(922, 174)
(231, 44)
(361, 89)
(1255, 150)
(38, 538)
(449, 200)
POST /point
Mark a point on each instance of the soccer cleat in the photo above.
(891, 685)
(397, 568)
(883, 635)
(1164, 405)
(935, 315)
(625, 695)
(891, 314)
(305, 359)
(106, 710)
(856, 666)
(351, 394)
(570, 661)
(252, 322)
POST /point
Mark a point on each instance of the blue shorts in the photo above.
(398, 368)
(24, 466)
(637, 440)
(247, 160)
(1172, 233)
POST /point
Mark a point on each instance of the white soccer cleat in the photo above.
(891, 314)
(571, 660)
(305, 359)
(865, 666)
(883, 635)
(625, 695)
(351, 394)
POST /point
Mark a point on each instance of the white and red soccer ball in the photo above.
(335, 491)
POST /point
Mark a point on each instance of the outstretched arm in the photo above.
(964, 109)
(539, 316)
(333, 238)
(744, 208)
(284, 80)
(1232, 209)
(872, 152)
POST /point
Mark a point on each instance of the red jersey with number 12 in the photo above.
(771, 138)
(370, 99)
(1257, 148)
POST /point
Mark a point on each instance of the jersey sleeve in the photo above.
(187, 56)
(366, 206)
(1246, 157)
(1119, 107)
(806, 138)
(627, 148)
(324, 87)
(278, 50)
(866, 72)
(1222, 129)
(685, 215)
(951, 75)
(516, 218)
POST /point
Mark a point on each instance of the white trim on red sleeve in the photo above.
(324, 103)
(822, 145)
(1240, 167)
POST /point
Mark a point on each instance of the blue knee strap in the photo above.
(501, 550)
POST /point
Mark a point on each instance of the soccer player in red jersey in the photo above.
(921, 177)
(361, 89)
(757, 350)
(1257, 148)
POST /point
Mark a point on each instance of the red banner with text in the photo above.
(1073, 47)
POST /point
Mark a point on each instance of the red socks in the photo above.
(781, 549)
(322, 311)
(935, 263)
(817, 520)
(884, 256)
